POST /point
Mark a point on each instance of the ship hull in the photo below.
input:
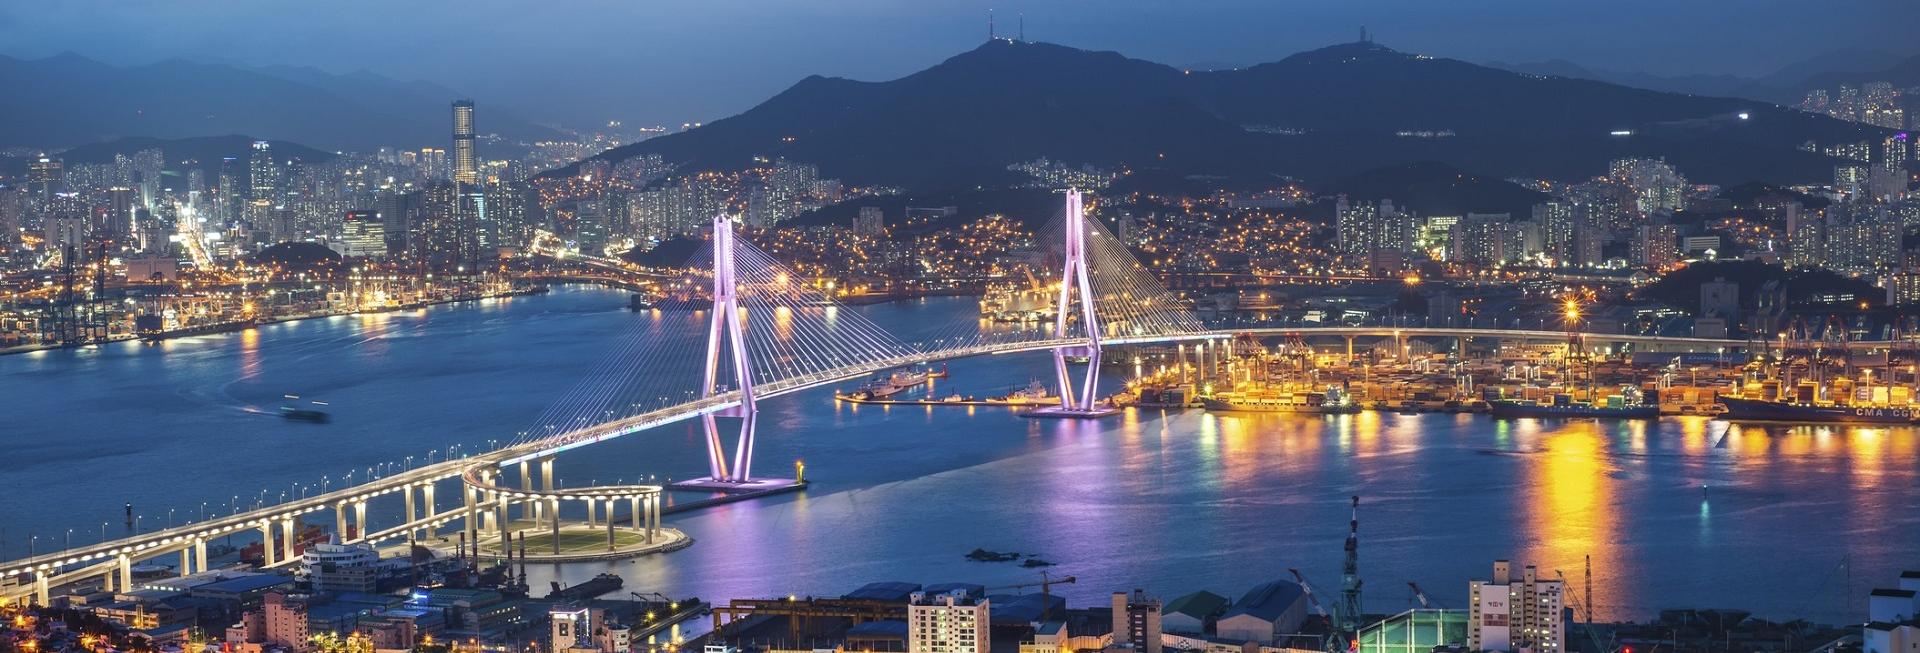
(1516, 410)
(1217, 405)
(1756, 410)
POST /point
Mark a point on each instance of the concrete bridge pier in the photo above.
(470, 518)
(430, 510)
(360, 519)
(553, 508)
(528, 510)
(267, 552)
(340, 520)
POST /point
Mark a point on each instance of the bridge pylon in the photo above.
(725, 323)
(1082, 401)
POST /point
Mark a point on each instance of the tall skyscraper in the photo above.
(466, 168)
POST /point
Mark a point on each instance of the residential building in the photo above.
(954, 622)
(1136, 622)
(1508, 614)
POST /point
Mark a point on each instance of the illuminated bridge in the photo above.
(769, 334)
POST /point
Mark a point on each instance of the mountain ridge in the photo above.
(1323, 113)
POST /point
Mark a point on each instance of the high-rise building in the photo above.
(466, 167)
(1136, 622)
(1507, 614)
(1656, 245)
(955, 622)
(870, 222)
(506, 205)
(1354, 224)
(1485, 239)
(1903, 288)
(1556, 230)
(45, 177)
(1806, 239)
(363, 233)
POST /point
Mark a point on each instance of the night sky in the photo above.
(670, 61)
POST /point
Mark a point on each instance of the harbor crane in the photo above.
(1046, 583)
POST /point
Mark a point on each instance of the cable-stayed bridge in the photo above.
(769, 332)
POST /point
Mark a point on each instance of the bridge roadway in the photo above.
(189, 540)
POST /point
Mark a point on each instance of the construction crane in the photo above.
(1334, 644)
(1046, 583)
(1582, 608)
(1312, 599)
(1349, 611)
(1419, 595)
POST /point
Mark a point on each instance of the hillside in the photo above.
(1438, 189)
(1319, 116)
(79, 100)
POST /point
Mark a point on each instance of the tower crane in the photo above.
(1046, 583)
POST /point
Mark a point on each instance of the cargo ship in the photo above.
(1762, 410)
(598, 585)
(1331, 401)
(1626, 405)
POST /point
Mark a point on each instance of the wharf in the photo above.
(733, 492)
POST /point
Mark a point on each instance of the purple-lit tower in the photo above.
(726, 317)
(1073, 278)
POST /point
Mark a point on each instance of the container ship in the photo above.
(1331, 401)
(1876, 405)
(1762, 410)
(1626, 405)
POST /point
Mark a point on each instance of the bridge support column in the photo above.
(609, 524)
(725, 324)
(126, 573)
(469, 518)
(42, 591)
(287, 538)
(186, 562)
(653, 518)
(360, 520)
(1349, 350)
(528, 510)
(408, 492)
(268, 556)
(340, 521)
(429, 510)
(1074, 276)
(554, 519)
(635, 516)
(200, 554)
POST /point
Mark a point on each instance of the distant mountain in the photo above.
(1784, 86)
(1320, 116)
(78, 100)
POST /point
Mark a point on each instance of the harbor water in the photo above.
(1791, 522)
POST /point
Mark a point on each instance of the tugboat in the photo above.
(1626, 405)
(294, 413)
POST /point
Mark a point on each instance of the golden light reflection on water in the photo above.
(1571, 513)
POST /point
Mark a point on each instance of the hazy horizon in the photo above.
(581, 63)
